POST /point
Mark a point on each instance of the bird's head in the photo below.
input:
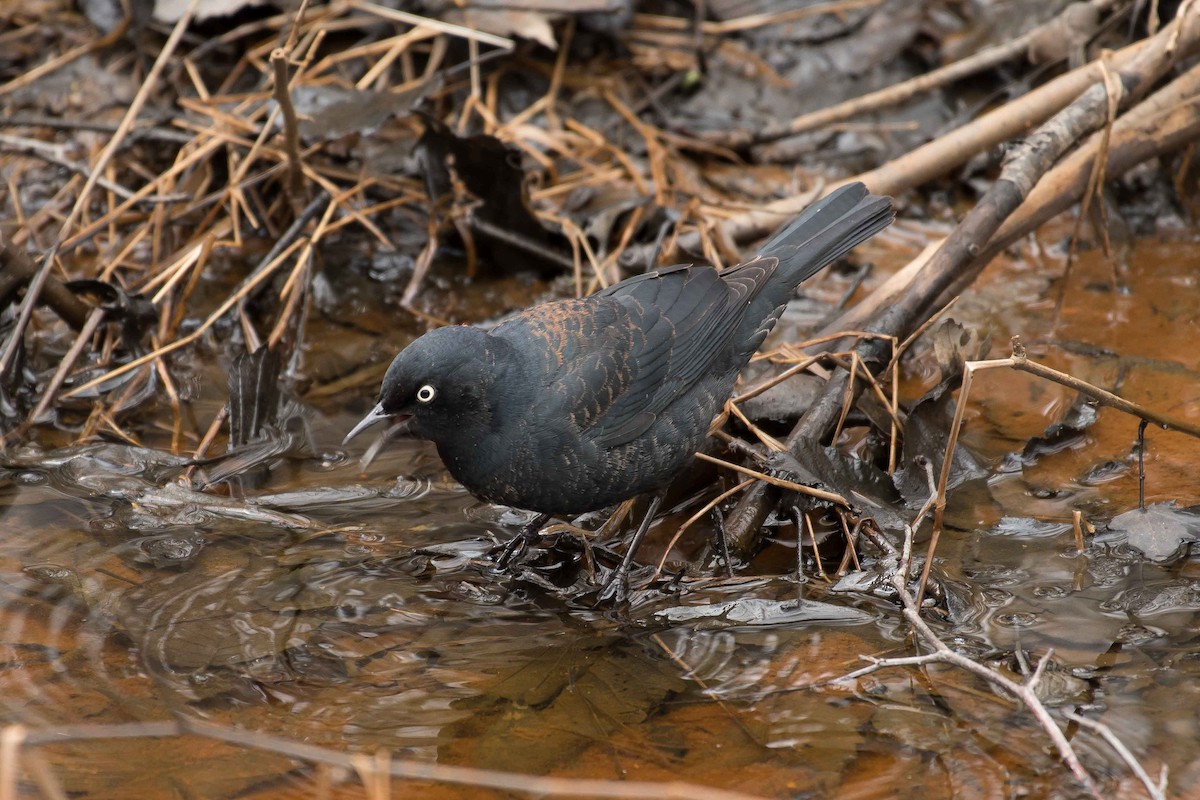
(442, 382)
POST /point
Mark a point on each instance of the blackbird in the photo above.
(575, 405)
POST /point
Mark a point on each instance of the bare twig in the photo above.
(1019, 360)
(1025, 693)
(291, 128)
(444, 27)
(1157, 791)
(782, 483)
(1022, 362)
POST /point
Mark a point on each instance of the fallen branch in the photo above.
(957, 261)
(16, 269)
(1074, 17)
(947, 153)
(1166, 121)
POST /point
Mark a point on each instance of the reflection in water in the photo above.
(381, 624)
(364, 615)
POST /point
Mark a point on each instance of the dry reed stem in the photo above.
(127, 122)
(39, 72)
(771, 442)
(820, 494)
(656, 154)
(693, 519)
(752, 21)
(64, 368)
(244, 289)
(812, 537)
(851, 539)
(404, 769)
(775, 380)
(164, 375)
(469, 34)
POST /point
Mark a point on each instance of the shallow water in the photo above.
(360, 613)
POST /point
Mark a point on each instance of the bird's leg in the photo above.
(722, 539)
(798, 517)
(617, 587)
(518, 543)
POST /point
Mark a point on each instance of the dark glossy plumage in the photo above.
(578, 404)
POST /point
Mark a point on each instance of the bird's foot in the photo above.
(516, 546)
(722, 540)
(615, 591)
(513, 548)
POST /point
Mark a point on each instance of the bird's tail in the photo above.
(827, 230)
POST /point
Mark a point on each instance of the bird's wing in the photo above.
(683, 319)
(579, 356)
(614, 361)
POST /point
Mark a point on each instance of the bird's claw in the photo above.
(615, 591)
(516, 545)
(512, 549)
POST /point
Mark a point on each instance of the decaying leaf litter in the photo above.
(285, 198)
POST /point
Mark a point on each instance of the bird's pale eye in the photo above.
(426, 394)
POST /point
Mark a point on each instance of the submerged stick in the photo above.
(1025, 692)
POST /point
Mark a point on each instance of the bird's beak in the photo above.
(376, 414)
